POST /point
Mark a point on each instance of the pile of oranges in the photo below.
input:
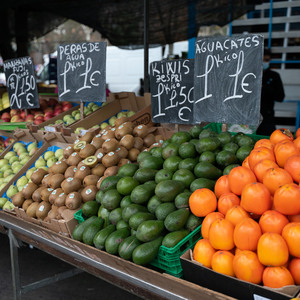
(251, 226)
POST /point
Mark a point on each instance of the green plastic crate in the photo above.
(168, 259)
(217, 127)
(7, 126)
(78, 216)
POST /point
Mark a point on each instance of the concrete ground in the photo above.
(36, 265)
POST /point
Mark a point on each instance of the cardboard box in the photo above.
(231, 286)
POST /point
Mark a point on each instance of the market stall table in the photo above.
(138, 280)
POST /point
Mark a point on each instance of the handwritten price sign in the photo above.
(21, 83)
(81, 72)
(227, 79)
(172, 91)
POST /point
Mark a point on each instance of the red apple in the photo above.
(6, 120)
(22, 114)
(29, 118)
(5, 115)
(13, 112)
(37, 121)
(52, 102)
(38, 115)
(8, 141)
(48, 109)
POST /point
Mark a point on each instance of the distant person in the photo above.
(272, 90)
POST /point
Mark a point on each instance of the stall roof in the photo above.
(122, 22)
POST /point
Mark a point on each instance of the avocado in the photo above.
(180, 137)
(208, 156)
(99, 196)
(138, 218)
(173, 238)
(231, 147)
(167, 190)
(109, 183)
(152, 162)
(162, 175)
(243, 152)
(193, 222)
(188, 164)
(163, 210)
(115, 239)
(142, 155)
(224, 137)
(145, 253)
(126, 184)
(184, 176)
(156, 151)
(143, 175)
(207, 170)
(225, 158)
(172, 163)
(177, 219)
(115, 216)
(208, 144)
(149, 230)
(195, 131)
(153, 203)
(111, 199)
(170, 150)
(91, 230)
(122, 224)
(125, 201)
(127, 170)
(182, 200)
(142, 193)
(101, 236)
(127, 247)
(131, 209)
(200, 183)
(90, 208)
(227, 170)
(187, 150)
(79, 229)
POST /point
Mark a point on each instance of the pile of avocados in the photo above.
(146, 205)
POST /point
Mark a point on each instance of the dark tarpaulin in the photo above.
(121, 22)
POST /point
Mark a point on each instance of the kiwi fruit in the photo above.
(56, 180)
(149, 140)
(91, 161)
(98, 170)
(89, 193)
(73, 200)
(45, 194)
(120, 121)
(111, 171)
(70, 171)
(82, 172)
(70, 185)
(86, 151)
(38, 175)
(80, 164)
(129, 124)
(108, 134)
(59, 167)
(28, 190)
(123, 161)
(54, 195)
(138, 143)
(26, 203)
(87, 137)
(79, 145)
(46, 179)
(159, 138)
(100, 181)
(68, 151)
(97, 141)
(110, 159)
(51, 214)
(122, 130)
(74, 159)
(99, 154)
(140, 131)
(36, 196)
(42, 210)
(122, 152)
(31, 209)
(59, 212)
(90, 180)
(110, 145)
(133, 154)
(18, 199)
(60, 199)
(127, 141)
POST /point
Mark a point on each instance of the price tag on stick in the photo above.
(81, 72)
(227, 79)
(172, 85)
(21, 83)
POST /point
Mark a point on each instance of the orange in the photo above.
(272, 221)
(264, 143)
(202, 202)
(294, 218)
(261, 167)
(291, 234)
(258, 154)
(277, 277)
(239, 177)
(222, 186)
(226, 201)
(297, 134)
(297, 142)
(246, 234)
(294, 268)
(220, 234)
(272, 250)
(203, 252)
(208, 220)
(222, 262)
(246, 163)
(287, 199)
(276, 177)
(246, 266)
(292, 166)
(280, 134)
(236, 214)
(256, 198)
(283, 151)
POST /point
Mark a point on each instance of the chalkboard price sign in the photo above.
(21, 83)
(81, 72)
(227, 79)
(172, 95)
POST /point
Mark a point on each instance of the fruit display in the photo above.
(4, 101)
(251, 226)
(5, 142)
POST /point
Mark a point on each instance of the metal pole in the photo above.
(146, 45)
(270, 24)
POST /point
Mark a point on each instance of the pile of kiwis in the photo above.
(76, 178)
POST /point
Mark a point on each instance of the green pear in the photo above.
(13, 159)
(103, 125)
(112, 120)
(51, 161)
(9, 154)
(77, 117)
(3, 185)
(96, 126)
(48, 154)
(3, 162)
(121, 114)
(17, 145)
(8, 172)
(1, 180)
(8, 206)
(40, 163)
(75, 112)
(95, 107)
(59, 122)
(78, 130)
(22, 181)
(21, 150)
(22, 155)
(32, 151)
(29, 172)
(90, 105)
(17, 168)
(31, 146)
(21, 187)
(1, 174)
(58, 153)
(130, 114)
(70, 122)
(88, 112)
(44, 167)
(8, 178)
(24, 160)
(12, 190)
(67, 117)
(2, 201)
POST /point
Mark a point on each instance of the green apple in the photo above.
(12, 190)
(31, 146)
(77, 117)
(59, 122)
(22, 155)
(8, 206)
(40, 163)
(58, 153)
(3, 162)
(70, 122)
(75, 112)
(25, 160)
(2, 201)
(22, 181)
(103, 125)
(78, 129)
(96, 126)
(51, 161)
(9, 154)
(8, 172)
(67, 117)
(17, 145)
(17, 168)
(48, 154)
(95, 107)
(112, 120)
(121, 114)
(88, 112)
(29, 172)
(90, 105)
(130, 114)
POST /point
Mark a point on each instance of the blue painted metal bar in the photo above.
(285, 62)
(270, 24)
(192, 31)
